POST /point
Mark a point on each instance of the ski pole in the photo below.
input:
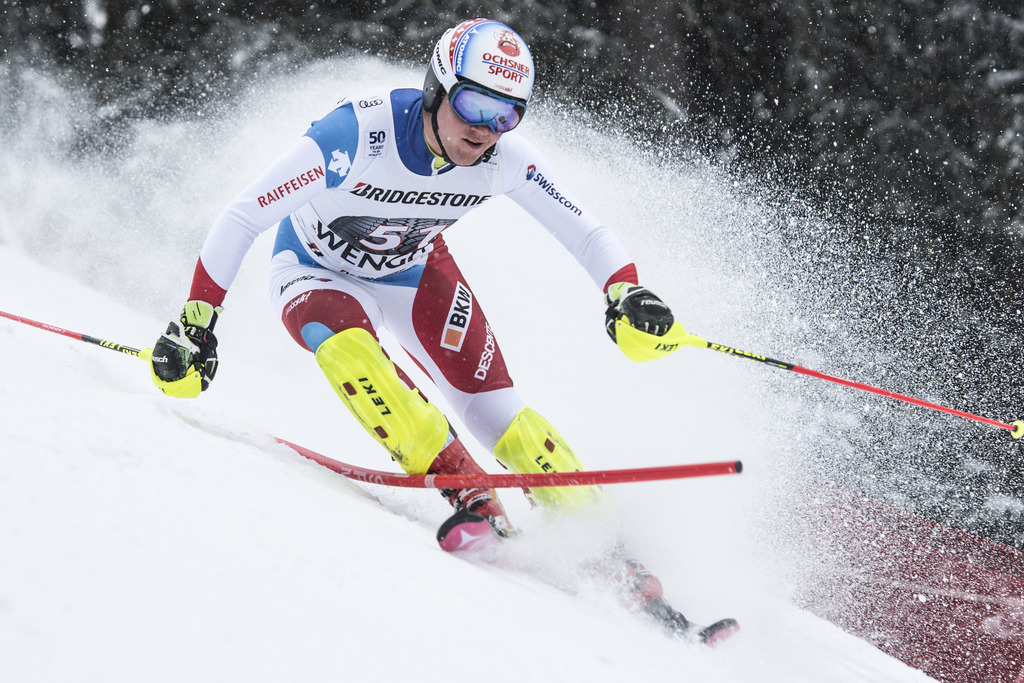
(1016, 428)
(145, 354)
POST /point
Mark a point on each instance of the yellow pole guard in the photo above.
(1018, 429)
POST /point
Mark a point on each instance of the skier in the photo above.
(360, 203)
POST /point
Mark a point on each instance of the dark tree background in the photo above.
(904, 116)
(907, 108)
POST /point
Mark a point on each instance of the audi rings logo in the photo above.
(366, 104)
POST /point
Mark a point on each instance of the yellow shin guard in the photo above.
(531, 444)
(399, 418)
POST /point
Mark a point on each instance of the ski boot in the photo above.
(455, 459)
(638, 585)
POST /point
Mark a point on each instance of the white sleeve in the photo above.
(289, 182)
(536, 188)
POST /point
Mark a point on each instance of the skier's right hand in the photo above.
(184, 358)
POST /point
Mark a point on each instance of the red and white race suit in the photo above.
(360, 208)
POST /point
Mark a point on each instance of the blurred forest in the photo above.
(905, 110)
(902, 119)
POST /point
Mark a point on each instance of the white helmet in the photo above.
(485, 53)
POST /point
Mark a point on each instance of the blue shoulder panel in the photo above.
(337, 135)
(407, 109)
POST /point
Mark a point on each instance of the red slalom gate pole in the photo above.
(454, 481)
(1016, 428)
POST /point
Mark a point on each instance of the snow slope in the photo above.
(149, 539)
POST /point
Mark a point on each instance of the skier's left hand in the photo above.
(641, 308)
(640, 323)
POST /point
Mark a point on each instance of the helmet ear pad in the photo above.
(433, 92)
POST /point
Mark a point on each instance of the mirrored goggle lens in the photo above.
(480, 109)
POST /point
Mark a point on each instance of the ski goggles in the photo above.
(478, 106)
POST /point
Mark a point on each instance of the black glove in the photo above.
(184, 358)
(643, 310)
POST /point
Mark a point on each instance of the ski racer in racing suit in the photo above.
(361, 202)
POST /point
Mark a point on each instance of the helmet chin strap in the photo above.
(437, 136)
(488, 153)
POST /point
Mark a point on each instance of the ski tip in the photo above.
(466, 530)
(717, 632)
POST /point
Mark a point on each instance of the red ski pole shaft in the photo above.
(113, 346)
(1016, 428)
